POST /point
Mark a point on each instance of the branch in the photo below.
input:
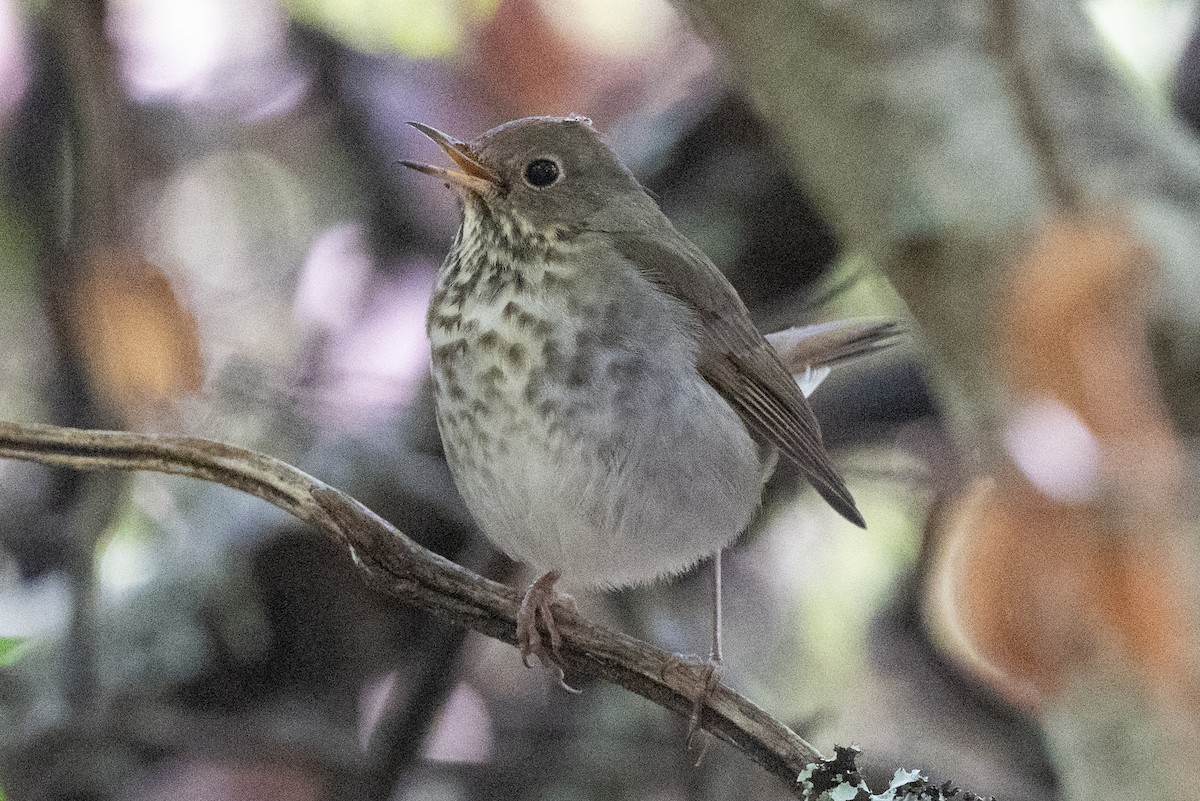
(395, 565)
(1035, 123)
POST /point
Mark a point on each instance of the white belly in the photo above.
(606, 458)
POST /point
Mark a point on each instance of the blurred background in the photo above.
(204, 229)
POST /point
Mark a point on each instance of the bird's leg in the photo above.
(709, 672)
(714, 655)
(538, 605)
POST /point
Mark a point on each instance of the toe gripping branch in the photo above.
(537, 607)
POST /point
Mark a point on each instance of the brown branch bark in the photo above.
(395, 565)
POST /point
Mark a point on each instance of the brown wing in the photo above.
(737, 361)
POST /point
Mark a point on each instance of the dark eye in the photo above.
(541, 173)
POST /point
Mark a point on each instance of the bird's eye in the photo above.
(541, 173)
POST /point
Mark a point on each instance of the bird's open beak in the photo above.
(474, 175)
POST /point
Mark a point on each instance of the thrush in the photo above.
(609, 412)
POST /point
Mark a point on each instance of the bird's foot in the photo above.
(703, 675)
(537, 606)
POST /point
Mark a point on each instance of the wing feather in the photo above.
(737, 361)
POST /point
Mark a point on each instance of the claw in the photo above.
(538, 606)
(706, 677)
(706, 682)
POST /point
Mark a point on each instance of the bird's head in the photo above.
(540, 172)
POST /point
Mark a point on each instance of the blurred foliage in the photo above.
(414, 28)
(16, 254)
(12, 649)
(1145, 38)
(21, 328)
(853, 581)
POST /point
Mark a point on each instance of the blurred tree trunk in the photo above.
(1041, 222)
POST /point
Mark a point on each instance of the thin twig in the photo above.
(393, 564)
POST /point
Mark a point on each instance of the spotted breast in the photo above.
(573, 418)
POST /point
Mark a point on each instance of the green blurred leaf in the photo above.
(415, 28)
(11, 649)
(16, 252)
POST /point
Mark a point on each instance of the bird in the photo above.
(608, 410)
